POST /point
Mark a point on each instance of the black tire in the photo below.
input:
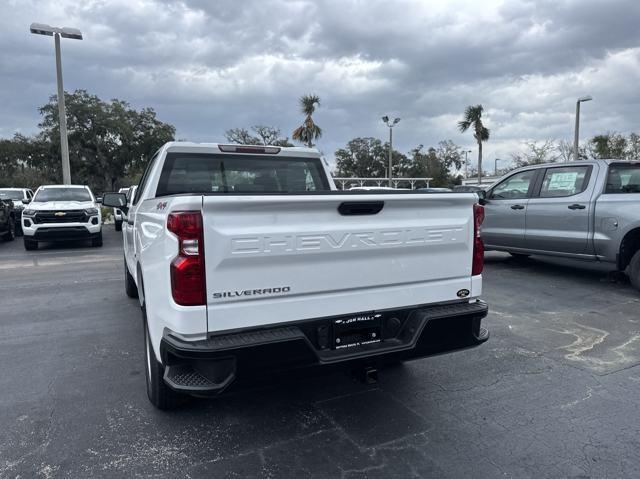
(118, 225)
(18, 224)
(129, 284)
(160, 395)
(633, 270)
(97, 241)
(520, 255)
(10, 234)
(30, 245)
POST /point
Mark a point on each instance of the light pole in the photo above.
(56, 33)
(390, 124)
(495, 167)
(577, 130)
(466, 164)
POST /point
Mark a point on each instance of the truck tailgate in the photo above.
(275, 259)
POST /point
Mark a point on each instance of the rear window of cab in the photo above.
(623, 179)
(233, 173)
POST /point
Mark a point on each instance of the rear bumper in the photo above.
(209, 367)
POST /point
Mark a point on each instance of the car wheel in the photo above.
(633, 270)
(97, 241)
(129, 284)
(30, 245)
(118, 225)
(18, 227)
(160, 395)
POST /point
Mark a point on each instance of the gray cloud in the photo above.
(209, 66)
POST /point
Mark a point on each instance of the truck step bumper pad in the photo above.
(183, 377)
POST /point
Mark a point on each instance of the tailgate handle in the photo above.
(353, 208)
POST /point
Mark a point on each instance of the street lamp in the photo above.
(577, 130)
(390, 124)
(495, 167)
(466, 163)
(56, 33)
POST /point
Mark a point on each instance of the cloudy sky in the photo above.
(210, 65)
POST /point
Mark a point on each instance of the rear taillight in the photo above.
(187, 269)
(478, 245)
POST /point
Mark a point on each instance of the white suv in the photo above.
(62, 213)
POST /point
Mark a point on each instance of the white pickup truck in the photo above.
(246, 260)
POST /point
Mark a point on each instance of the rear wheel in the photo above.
(118, 225)
(30, 245)
(97, 241)
(160, 395)
(633, 270)
(18, 227)
(129, 284)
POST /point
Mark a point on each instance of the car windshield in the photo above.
(11, 195)
(62, 194)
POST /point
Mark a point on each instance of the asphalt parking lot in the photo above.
(554, 393)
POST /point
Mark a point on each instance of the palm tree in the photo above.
(473, 119)
(308, 131)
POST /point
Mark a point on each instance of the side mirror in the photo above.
(115, 200)
(26, 202)
(482, 196)
(99, 200)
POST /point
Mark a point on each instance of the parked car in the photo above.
(247, 261)
(7, 220)
(19, 197)
(588, 210)
(117, 212)
(62, 213)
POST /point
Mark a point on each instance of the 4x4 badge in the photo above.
(463, 293)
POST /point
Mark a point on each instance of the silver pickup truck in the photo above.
(586, 210)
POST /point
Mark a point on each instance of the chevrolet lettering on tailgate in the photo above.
(336, 241)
